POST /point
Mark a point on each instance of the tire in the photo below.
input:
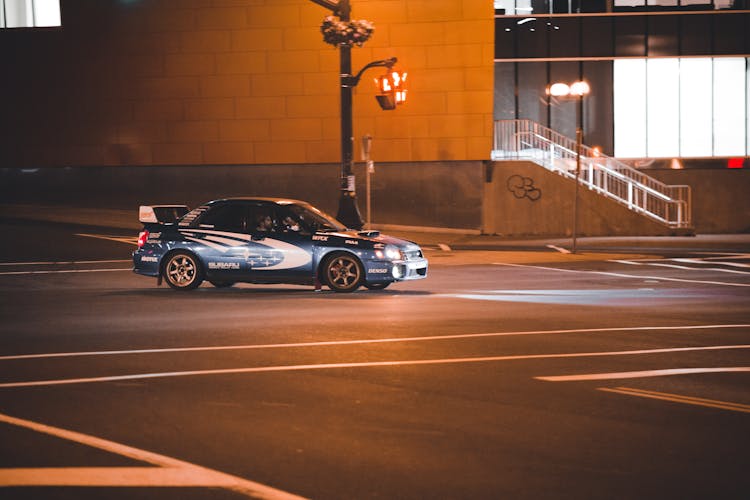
(183, 271)
(221, 284)
(377, 286)
(343, 272)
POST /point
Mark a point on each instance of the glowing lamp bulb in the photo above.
(559, 89)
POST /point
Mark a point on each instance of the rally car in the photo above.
(267, 240)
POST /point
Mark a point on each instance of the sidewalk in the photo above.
(739, 243)
(127, 221)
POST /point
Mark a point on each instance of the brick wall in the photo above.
(207, 82)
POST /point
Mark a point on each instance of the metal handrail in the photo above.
(528, 140)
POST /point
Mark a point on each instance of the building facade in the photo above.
(236, 82)
(668, 78)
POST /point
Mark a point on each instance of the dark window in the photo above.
(597, 36)
(532, 81)
(565, 36)
(729, 33)
(505, 93)
(590, 6)
(532, 37)
(696, 35)
(663, 32)
(505, 38)
(597, 110)
(630, 36)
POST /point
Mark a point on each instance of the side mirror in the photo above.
(258, 237)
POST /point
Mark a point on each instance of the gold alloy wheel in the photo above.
(343, 273)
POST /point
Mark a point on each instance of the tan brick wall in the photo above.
(251, 81)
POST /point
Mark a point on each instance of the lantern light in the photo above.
(391, 88)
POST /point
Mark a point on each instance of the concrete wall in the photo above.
(224, 82)
(524, 199)
(460, 195)
(720, 196)
(434, 194)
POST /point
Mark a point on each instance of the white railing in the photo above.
(528, 140)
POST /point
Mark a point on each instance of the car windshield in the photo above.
(315, 219)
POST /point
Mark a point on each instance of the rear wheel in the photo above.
(183, 271)
(343, 273)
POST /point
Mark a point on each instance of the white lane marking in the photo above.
(730, 256)
(171, 471)
(367, 364)
(675, 266)
(63, 271)
(369, 341)
(444, 247)
(63, 263)
(120, 239)
(706, 262)
(679, 398)
(619, 275)
(559, 249)
(628, 262)
(641, 374)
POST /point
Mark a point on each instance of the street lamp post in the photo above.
(575, 90)
(348, 212)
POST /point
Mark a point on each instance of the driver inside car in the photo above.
(265, 223)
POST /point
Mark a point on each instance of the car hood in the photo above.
(372, 236)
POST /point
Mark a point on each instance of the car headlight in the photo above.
(390, 252)
(393, 253)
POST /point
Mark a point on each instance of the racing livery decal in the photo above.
(267, 254)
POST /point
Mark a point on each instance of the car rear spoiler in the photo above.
(161, 214)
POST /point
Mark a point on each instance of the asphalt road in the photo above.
(504, 374)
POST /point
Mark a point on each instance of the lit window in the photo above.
(663, 102)
(729, 106)
(696, 108)
(630, 108)
(689, 107)
(29, 13)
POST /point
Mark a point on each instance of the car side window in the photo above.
(225, 218)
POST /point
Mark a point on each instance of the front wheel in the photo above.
(343, 273)
(183, 271)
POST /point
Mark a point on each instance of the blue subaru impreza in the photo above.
(268, 240)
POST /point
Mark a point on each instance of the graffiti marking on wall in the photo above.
(523, 187)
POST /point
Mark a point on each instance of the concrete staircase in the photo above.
(666, 205)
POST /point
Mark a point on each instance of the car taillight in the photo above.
(142, 237)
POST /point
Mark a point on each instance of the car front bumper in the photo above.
(414, 269)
